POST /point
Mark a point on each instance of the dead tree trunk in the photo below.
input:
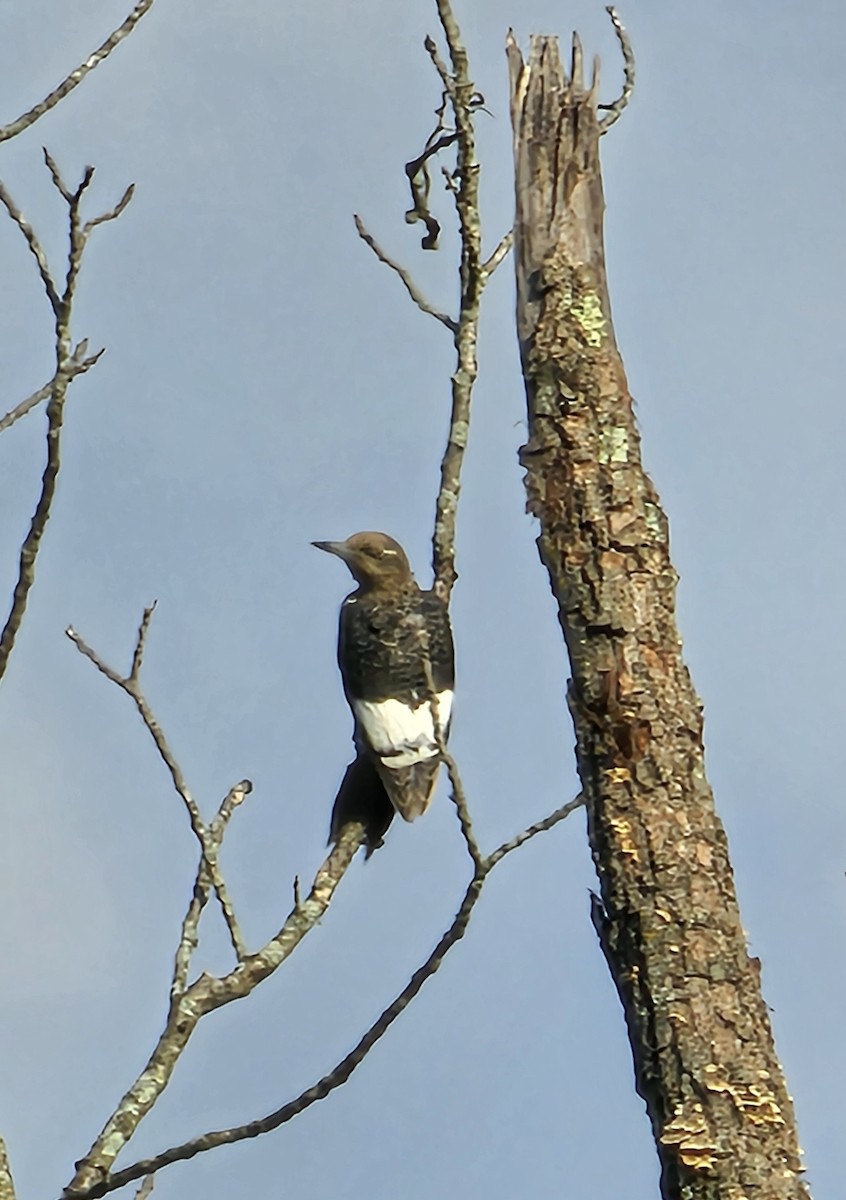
(668, 919)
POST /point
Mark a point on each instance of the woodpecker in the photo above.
(388, 629)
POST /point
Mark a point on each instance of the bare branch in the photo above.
(420, 183)
(339, 1075)
(141, 641)
(463, 101)
(110, 673)
(409, 284)
(204, 996)
(188, 938)
(234, 798)
(38, 523)
(459, 799)
(113, 213)
(35, 246)
(538, 827)
(146, 1188)
(7, 1184)
(27, 406)
(504, 245)
(58, 183)
(459, 796)
(77, 366)
(130, 685)
(459, 96)
(67, 368)
(443, 70)
(450, 182)
(79, 232)
(615, 110)
(78, 239)
(71, 81)
(345, 1068)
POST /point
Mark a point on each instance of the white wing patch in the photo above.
(399, 734)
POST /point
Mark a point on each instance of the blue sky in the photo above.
(266, 383)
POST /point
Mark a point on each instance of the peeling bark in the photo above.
(668, 918)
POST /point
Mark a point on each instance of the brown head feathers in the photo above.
(376, 561)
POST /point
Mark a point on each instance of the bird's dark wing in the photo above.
(380, 652)
(381, 655)
(441, 650)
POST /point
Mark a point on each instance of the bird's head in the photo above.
(374, 559)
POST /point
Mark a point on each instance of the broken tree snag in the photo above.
(668, 919)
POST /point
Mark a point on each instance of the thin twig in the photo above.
(405, 275)
(503, 246)
(35, 247)
(113, 213)
(615, 110)
(459, 799)
(25, 406)
(419, 179)
(141, 641)
(539, 827)
(463, 100)
(130, 685)
(56, 175)
(188, 938)
(431, 47)
(78, 237)
(460, 96)
(459, 796)
(110, 673)
(38, 523)
(71, 81)
(77, 366)
(234, 798)
(146, 1188)
(417, 169)
(450, 181)
(67, 368)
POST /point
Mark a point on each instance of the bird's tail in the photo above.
(362, 797)
(410, 788)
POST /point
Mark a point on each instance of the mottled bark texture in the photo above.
(668, 918)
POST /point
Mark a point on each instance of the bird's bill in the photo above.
(340, 548)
